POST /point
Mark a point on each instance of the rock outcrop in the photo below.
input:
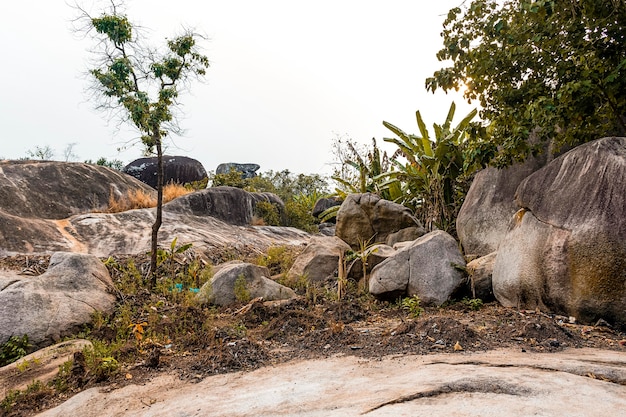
(246, 170)
(565, 251)
(430, 268)
(240, 281)
(367, 218)
(56, 303)
(176, 169)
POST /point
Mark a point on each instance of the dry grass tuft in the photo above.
(136, 199)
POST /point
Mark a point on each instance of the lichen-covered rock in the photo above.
(430, 267)
(565, 251)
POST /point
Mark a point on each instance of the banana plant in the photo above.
(429, 171)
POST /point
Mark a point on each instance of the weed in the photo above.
(473, 303)
(14, 348)
(278, 259)
(412, 306)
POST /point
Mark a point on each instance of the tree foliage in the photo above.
(143, 83)
(550, 69)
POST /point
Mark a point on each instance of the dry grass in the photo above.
(136, 199)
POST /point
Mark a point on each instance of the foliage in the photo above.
(44, 153)
(242, 293)
(13, 349)
(143, 85)
(473, 303)
(267, 213)
(554, 70)
(412, 306)
(110, 163)
(433, 175)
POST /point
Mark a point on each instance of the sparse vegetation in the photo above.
(412, 306)
(137, 199)
(13, 349)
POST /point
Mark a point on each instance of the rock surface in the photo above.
(566, 249)
(367, 219)
(576, 382)
(58, 302)
(428, 268)
(489, 205)
(319, 260)
(247, 170)
(222, 288)
(480, 272)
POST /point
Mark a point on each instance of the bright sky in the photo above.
(286, 78)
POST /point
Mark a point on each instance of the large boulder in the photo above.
(57, 190)
(56, 303)
(323, 204)
(480, 272)
(430, 267)
(489, 205)
(565, 251)
(240, 281)
(176, 169)
(320, 259)
(246, 170)
(364, 219)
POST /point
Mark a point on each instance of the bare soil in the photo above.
(207, 341)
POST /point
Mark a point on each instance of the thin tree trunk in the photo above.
(159, 213)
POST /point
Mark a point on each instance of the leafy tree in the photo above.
(142, 85)
(111, 163)
(550, 69)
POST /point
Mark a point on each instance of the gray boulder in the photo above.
(565, 250)
(324, 204)
(246, 170)
(58, 302)
(480, 272)
(484, 217)
(320, 259)
(57, 190)
(430, 268)
(407, 234)
(373, 255)
(223, 289)
(176, 169)
(367, 219)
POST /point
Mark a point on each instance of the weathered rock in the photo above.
(504, 383)
(247, 170)
(428, 268)
(58, 302)
(57, 190)
(326, 229)
(176, 169)
(320, 259)
(565, 251)
(221, 289)
(367, 218)
(489, 205)
(407, 234)
(480, 272)
(324, 204)
(42, 365)
(373, 255)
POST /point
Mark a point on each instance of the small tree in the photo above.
(142, 85)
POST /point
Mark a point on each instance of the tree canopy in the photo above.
(542, 71)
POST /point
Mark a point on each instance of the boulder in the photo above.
(480, 272)
(320, 259)
(373, 255)
(58, 302)
(176, 169)
(323, 204)
(484, 217)
(57, 190)
(367, 218)
(246, 170)
(565, 250)
(223, 289)
(408, 234)
(430, 268)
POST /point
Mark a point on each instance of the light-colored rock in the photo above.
(42, 365)
(429, 268)
(367, 219)
(221, 289)
(489, 205)
(372, 255)
(408, 234)
(480, 272)
(491, 384)
(320, 259)
(58, 302)
(566, 249)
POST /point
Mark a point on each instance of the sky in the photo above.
(286, 79)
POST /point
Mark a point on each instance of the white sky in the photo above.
(286, 77)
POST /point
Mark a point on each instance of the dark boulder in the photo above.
(177, 169)
(324, 204)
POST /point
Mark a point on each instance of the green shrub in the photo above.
(14, 348)
(242, 294)
(412, 306)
